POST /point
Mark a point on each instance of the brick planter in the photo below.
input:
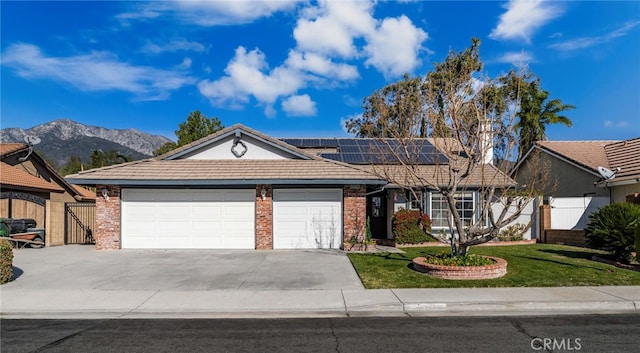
(496, 270)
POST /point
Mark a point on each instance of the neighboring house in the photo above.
(31, 188)
(576, 188)
(241, 189)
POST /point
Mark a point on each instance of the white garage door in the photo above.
(188, 219)
(307, 219)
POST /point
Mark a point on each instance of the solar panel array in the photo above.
(374, 151)
(312, 142)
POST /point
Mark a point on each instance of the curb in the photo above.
(383, 310)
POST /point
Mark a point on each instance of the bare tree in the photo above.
(470, 117)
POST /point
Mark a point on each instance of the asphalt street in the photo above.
(578, 333)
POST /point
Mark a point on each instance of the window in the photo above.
(465, 205)
(415, 203)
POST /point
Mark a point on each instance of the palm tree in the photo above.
(535, 114)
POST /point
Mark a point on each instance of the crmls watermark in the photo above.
(556, 344)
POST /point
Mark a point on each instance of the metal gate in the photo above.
(80, 220)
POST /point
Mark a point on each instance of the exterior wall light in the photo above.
(105, 194)
(263, 193)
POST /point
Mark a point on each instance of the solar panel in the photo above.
(350, 149)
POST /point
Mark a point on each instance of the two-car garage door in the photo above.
(225, 219)
(188, 219)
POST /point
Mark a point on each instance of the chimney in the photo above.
(486, 141)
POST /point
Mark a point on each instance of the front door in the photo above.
(377, 214)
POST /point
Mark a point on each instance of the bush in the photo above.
(409, 227)
(612, 229)
(513, 232)
(6, 261)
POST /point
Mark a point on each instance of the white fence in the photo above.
(573, 212)
(528, 216)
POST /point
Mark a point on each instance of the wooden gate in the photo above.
(23, 205)
(80, 219)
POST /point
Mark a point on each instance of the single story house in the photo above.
(241, 189)
(31, 188)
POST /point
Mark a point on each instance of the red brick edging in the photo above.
(496, 270)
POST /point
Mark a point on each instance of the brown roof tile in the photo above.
(438, 175)
(588, 154)
(224, 170)
(626, 156)
(7, 148)
(84, 192)
(10, 176)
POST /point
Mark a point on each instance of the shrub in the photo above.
(612, 229)
(513, 232)
(6, 261)
(409, 227)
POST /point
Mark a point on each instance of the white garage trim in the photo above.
(188, 219)
(307, 218)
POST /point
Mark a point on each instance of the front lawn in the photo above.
(538, 265)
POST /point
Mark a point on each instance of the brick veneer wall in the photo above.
(107, 232)
(354, 212)
(264, 218)
(565, 236)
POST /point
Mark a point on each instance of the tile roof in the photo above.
(8, 148)
(193, 170)
(84, 192)
(588, 154)
(422, 175)
(626, 156)
(11, 176)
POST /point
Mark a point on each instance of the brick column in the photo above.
(107, 232)
(354, 212)
(264, 218)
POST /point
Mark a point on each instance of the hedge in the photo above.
(6, 261)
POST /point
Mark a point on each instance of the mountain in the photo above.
(61, 139)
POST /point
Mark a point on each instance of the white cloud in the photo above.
(320, 65)
(523, 17)
(331, 28)
(616, 124)
(97, 71)
(328, 36)
(301, 105)
(586, 42)
(174, 46)
(245, 78)
(186, 63)
(207, 13)
(394, 46)
(518, 58)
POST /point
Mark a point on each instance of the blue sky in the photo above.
(299, 68)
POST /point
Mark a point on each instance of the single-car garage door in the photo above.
(307, 218)
(188, 219)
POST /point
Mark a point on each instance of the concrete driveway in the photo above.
(77, 267)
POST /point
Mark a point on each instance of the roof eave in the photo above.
(610, 183)
(220, 182)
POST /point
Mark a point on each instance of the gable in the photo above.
(237, 142)
(234, 148)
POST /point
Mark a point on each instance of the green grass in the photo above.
(538, 265)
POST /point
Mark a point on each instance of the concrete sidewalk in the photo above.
(80, 282)
(20, 303)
